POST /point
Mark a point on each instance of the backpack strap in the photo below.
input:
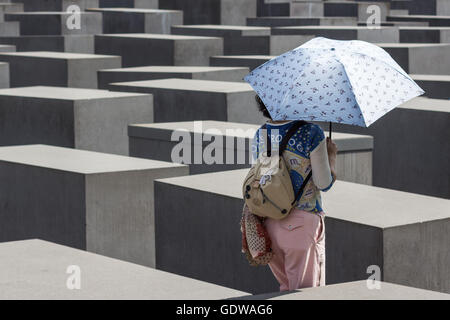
(302, 187)
(283, 144)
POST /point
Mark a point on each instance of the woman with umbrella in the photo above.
(350, 82)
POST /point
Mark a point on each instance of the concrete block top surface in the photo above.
(430, 77)
(357, 290)
(78, 161)
(190, 85)
(250, 57)
(359, 203)
(418, 16)
(173, 69)
(155, 36)
(243, 30)
(36, 269)
(332, 28)
(163, 131)
(38, 13)
(411, 45)
(57, 55)
(427, 104)
(133, 10)
(7, 48)
(64, 93)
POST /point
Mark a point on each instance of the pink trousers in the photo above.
(298, 243)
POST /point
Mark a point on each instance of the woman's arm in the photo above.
(323, 164)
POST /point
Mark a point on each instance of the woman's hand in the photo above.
(331, 149)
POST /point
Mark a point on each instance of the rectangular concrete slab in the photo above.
(244, 40)
(138, 20)
(55, 5)
(7, 48)
(37, 270)
(435, 86)
(6, 7)
(159, 140)
(249, 61)
(56, 23)
(141, 49)
(186, 99)
(422, 58)
(107, 76)
(148, 4)
(63, 43)
(432, 21)
(357, 290)
(412, 138)
(9, 29)
(414, 34)
(60, 69)
(93, 201)
(4, 75)
(405, 234)
(301, 21)
(383, 34)
(226, 12)
(86, 119)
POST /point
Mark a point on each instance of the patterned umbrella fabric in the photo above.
(352, 82)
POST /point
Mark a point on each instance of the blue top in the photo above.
(297, 157)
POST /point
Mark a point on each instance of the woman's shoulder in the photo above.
(312, 134)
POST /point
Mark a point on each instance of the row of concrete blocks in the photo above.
(217, 12)
(84, 70)
(236, 39)
(97, 21)
(79, 70)
(110, 205)
(105, 278)
(100, 125)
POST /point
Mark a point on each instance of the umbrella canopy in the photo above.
(352, 82)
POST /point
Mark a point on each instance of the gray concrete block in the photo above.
(86, 119)
(136, 20)
(337, 9)
(4, 74)
(432, 21)
(93, 201)
(147, 4)
(55, 5)
(421, 58)
(7, 48)
(63, 43)
(55, 23)
(9, 7)
(357, 290)
(424, 34)
(141, 49)
(154, 141)
(383, 34)
(102, 278)
(9, 29)
(435, 86)
(405, 234)
(108, 76)
(244, 40)
(411, 147)
(60, 69)
(185, 99)
(226, 12)
(249, 61)
(301, 21)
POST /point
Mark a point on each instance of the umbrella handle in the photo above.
(330, 130)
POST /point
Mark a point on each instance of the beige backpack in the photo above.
(267, 188)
